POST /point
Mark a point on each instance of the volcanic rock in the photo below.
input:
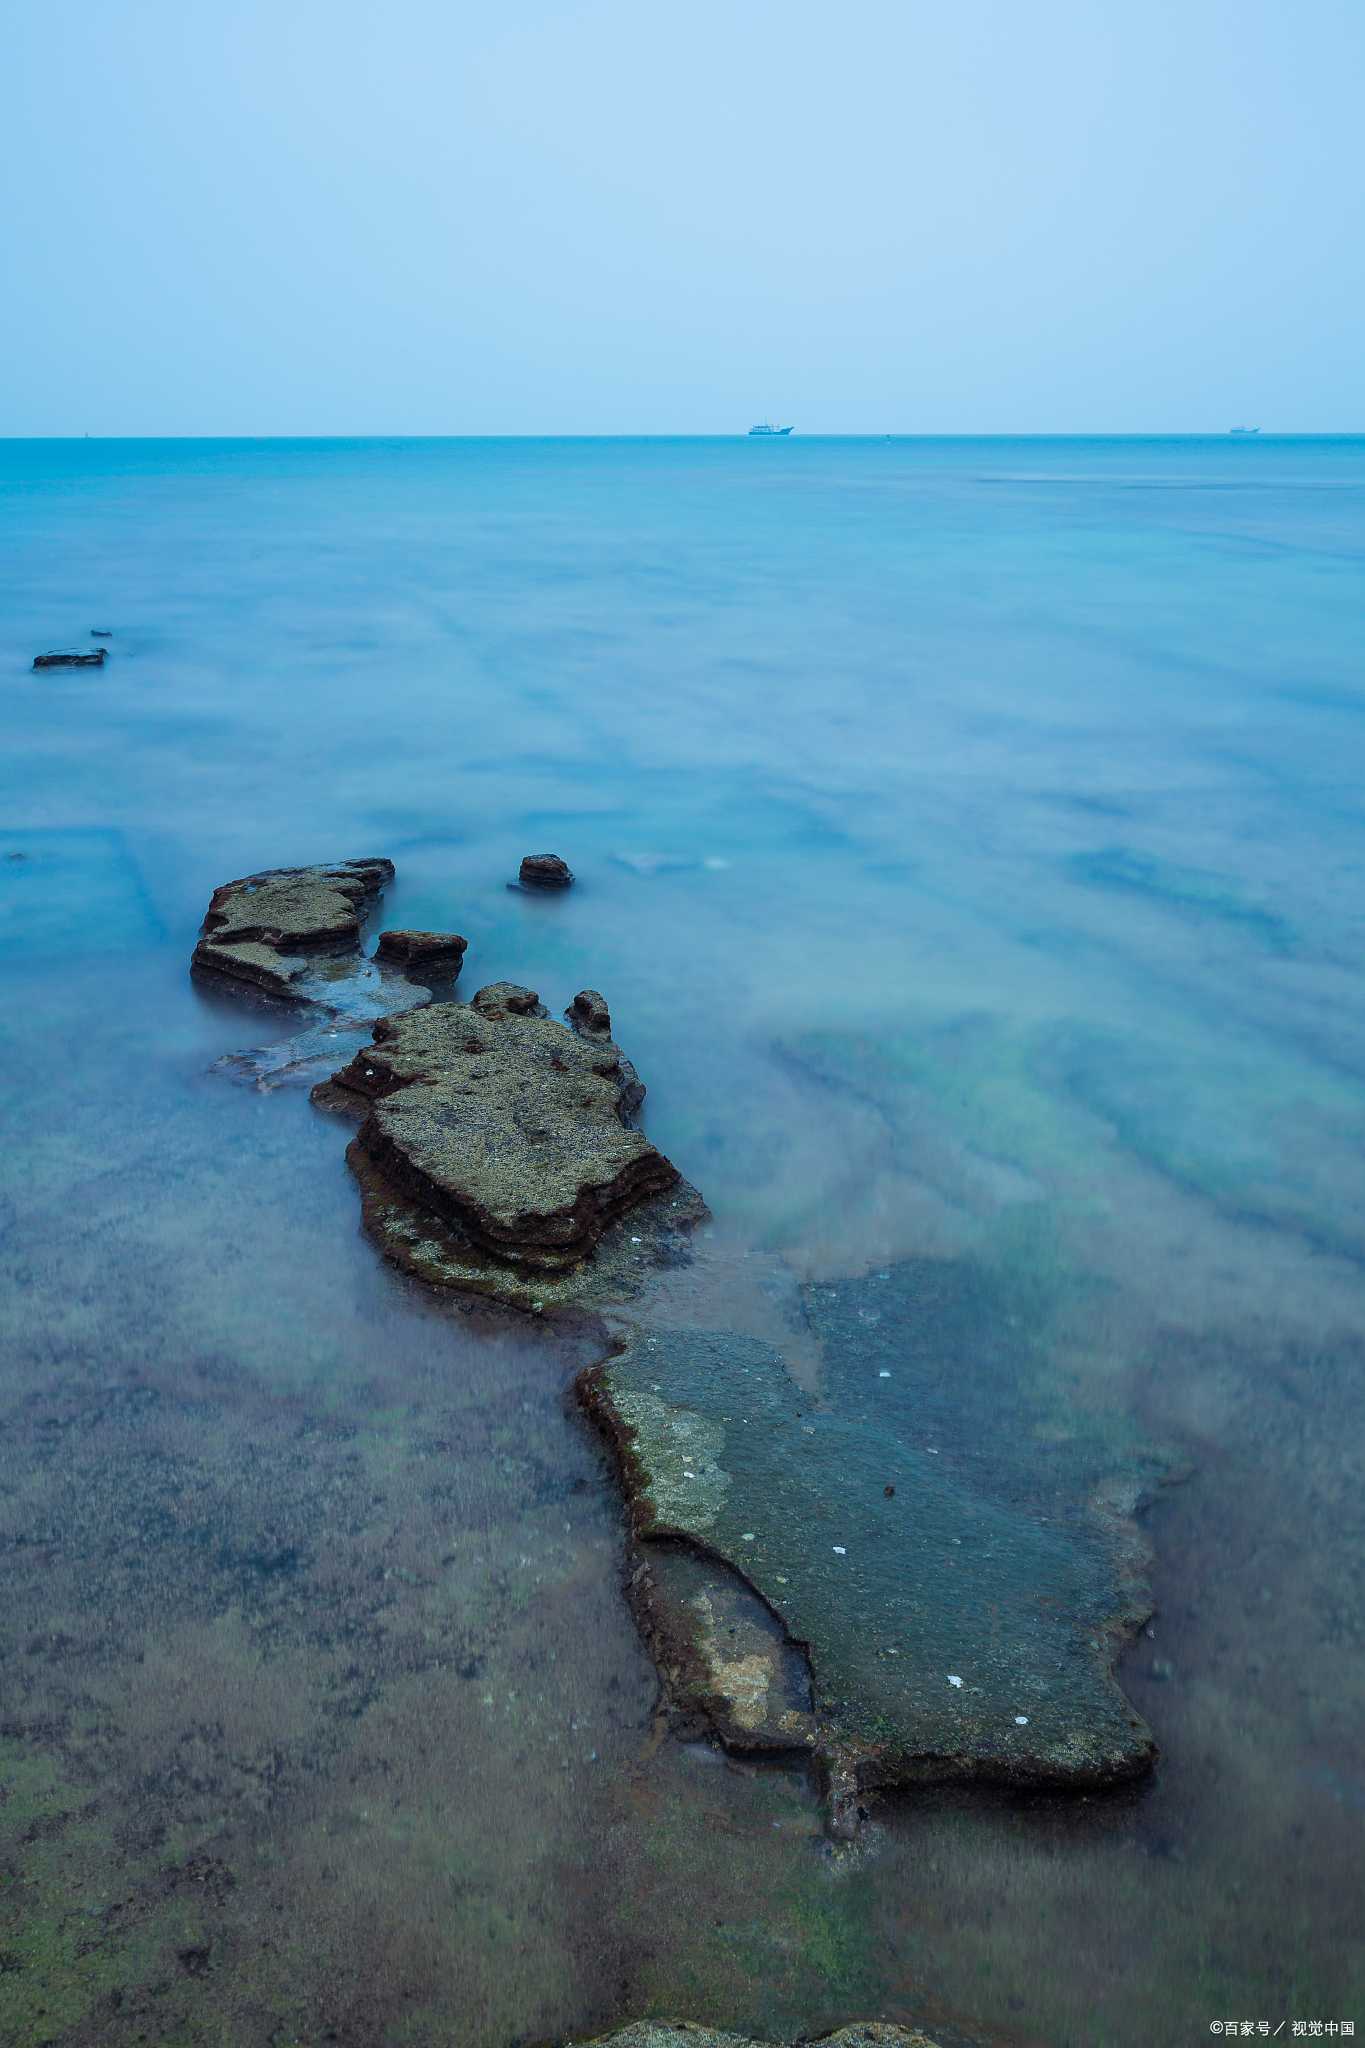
(497, 1154)
(949, 1637)
(443, 950)
(75, 657)
(545, 871)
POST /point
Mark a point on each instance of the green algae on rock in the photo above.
(949, 1637)
(497, 1152)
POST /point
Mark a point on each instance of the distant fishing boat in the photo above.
(1246, 430)
(767, 428)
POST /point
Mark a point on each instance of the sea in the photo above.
(968, 842)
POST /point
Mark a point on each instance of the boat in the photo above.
(767, 428)
(1244, 430)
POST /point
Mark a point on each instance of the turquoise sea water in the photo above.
(969, 846)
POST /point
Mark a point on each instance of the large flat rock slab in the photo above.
(263, 929)
(948, 1636)
(497, 1152)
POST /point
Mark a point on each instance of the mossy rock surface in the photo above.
(950, 1636)
(497, 1153)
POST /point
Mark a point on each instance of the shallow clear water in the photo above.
(968, 842)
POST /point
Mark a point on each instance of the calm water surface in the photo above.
(969, 846)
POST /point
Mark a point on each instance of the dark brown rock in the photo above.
(588, 1014)
(422, 949)
(545, 871)
(77, 657)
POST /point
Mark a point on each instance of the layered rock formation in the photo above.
(292, 937)
(497, 1153)
(545, 871)
(74, 657)
(271, 932)
(440, 951)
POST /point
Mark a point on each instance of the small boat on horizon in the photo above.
(1244, 430)
(767, 428)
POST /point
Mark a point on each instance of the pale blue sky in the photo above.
(291, 218)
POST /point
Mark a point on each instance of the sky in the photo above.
(525, 218)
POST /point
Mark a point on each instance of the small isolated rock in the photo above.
(72, 657)
(588, 1014)
(545, 871)
(422, 949)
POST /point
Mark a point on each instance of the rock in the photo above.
(949, 1637)
(497, 1154)
(726, 1664)
(545, 871)
(74, 657)
(292, 936)
(687, 2034)
(504, 999)
(292, 933)
(589, 1015)
(442, 950)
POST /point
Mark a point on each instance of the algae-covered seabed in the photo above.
(1032, 1041)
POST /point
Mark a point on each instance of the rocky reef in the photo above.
(810, 1573)
(497, 1153)
(948, 1637)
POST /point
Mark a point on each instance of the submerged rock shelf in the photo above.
(949, 1639)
